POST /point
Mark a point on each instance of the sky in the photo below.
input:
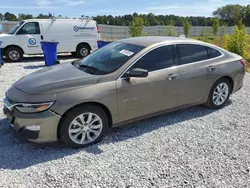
(76, 8)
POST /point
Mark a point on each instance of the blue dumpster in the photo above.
(50, 52)
(101, 43)
(1, 59)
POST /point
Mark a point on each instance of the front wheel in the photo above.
(83, 126)
(219, 94)
(13, 54)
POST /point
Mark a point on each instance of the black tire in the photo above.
(73, 54)
(82, 50)
(12, 50)
(70, 116)
(210, 102)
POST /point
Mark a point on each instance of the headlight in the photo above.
(33, 108)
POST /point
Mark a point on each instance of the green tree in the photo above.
(246, 20)
(10, 17)
(136, 28)
(240, 25)
(42, 16)
(187, 26)
(216, 26)
(153, 21)
(238, 41)
(170, 29)
(1, 16)
(24, 16)
(230, 13)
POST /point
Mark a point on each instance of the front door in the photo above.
(138, 97)
(29, 36)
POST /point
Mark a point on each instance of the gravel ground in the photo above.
(195, 147)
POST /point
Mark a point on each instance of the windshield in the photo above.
(16, 27)
(109, 58)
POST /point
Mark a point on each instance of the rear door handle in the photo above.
(211, 68)
(41, 37)
(172, 76)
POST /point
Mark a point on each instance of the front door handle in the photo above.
(172, 76)
(211, 68)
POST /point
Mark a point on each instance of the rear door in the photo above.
(29, 36)
(159, 91)
(196, 70)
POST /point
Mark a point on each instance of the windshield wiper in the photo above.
(90, 68)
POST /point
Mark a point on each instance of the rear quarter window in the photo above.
(213, 53)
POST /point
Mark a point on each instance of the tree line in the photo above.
(228, 15)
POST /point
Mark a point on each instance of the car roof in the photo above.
(151, 40)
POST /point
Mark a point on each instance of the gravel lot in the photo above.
(195, 147)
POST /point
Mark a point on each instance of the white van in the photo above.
(78, 36)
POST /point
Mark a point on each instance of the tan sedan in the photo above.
(78, 102)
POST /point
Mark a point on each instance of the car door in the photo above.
(29, 36)
(139, 97)
(195, 71)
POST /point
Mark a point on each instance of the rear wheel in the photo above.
(84, 126)
(219, 94)
(13, 54)
(82, 50)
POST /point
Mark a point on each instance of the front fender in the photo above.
(103, 93)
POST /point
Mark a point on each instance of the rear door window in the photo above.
(190, 53)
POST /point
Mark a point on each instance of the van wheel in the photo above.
(13, 54)
(83, 126)
(73, 54)
(82, 50)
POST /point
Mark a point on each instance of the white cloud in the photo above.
(28, 7)
(59, 3)
(79, 2)
(204, 8)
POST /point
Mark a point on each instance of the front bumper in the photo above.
(39, 128)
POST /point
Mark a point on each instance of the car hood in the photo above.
(55, 79)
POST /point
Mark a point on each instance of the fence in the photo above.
(119, 32)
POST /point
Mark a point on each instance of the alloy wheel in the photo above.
(220, 94)
(85, 128)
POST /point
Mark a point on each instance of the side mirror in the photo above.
(138, 73)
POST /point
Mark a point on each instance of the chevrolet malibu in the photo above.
(131, 79)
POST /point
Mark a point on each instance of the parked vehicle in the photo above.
(78, 36)
(128, 80)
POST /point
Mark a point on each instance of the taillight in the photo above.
(243, 62)
(98, 29)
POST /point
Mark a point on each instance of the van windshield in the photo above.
(109, 58)
(16, 27)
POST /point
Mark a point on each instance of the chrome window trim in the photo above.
(206, 60)
(169, 44)
(177, 65)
